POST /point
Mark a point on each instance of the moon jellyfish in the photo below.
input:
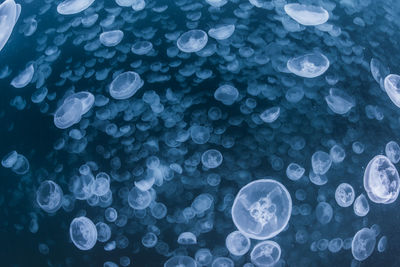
(180, 261)
(138, 199)
(103, 232)
(262, 209)
(222, 32)
(203, 256)
(339, 101)
(324, 212)
(141, 47)
(68, 114)
(307, 15)
(83, 233)
(217, 3)
(294, 171)
(200, 134)
(187, 238)
(211, 158)
(309, 65)
(101, 184)
(24, 78)
(21, 166)
(392, 151)
(9, 14)
(149, 240)
(222, 262)
(125, 85)
(363, 244)
(10, 159)
(382, 244)
(111, 214)
(344, 195)
(111, 38)
(381, 180)
(138, 5)
(265, 254)
(335, 245)
(270, 115)
(49, 196)
(361, 206)
(337, 154)
(86, 98)
(392, 88)
(227, 94)
(192, 41)
(70, 7)
(320, 162)
(237, 243)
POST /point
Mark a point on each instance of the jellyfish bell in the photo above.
(125, 85)
(83, 233)
(307, 15)
(70, 7)
(9, 14)
(262, 209)
(363, 244)
(266, 254)
(344, 195)
(69, 113)
(310, 65)
(49, 196)
(192, 41)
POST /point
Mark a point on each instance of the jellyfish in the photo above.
(321, 162)
(111, 214)
(86, 98)
(9, 13)
(9, 159)
(227, 94)
(339, 101)
(103, 232)
(324, 212)
(392, 88)
(344, 195)
(309, 65)
(111, 38)
(187, 238)
(125, 85)
(203, 256)
(149, 240)
(237, 243)
(200, 135)
(192, 41)
(141, 47)
(180, 261)
(392, 151)
(138, 199)
(24, 78)
(83, 233)
(70, 7)
(265, 254)
(262, 209)
(217, 3)
(381, 180)
(68, 114)
(361, 206)
(211, 158)
(270, 115)
(382, 244)
(335, 245)
(222, 32)
(294, 171)
(307, 15)
(363, 244)
(49, 196)
(222, 262)
(337, 153)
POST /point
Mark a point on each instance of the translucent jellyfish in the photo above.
(294, 171)
(339, 101)
(337, 154)
(149, 240)
(270, 115)
(335, 245)
(24, 78)
(83, 233)
(68, 113)
(125, 85)
(203, 256)
(222, 32)
(187, 238)
(111, 214)
(307, 15)
(321, 162)
(103, 232)
(101, 184)
(49, 196)
(392, 151)
(138, 199)
(125, 3)
(227, 94)
(392, 88)
(180, 261)
(86, 98)
(70, 7)
(9, 159)
(141, 47)
(382, 244)
(21, 166)
(265, 254)
(361, 206)
(324, 212)
(202, 203)
(192, 41)
(381, 180)
(158, 210)
(309, 65)
(9, 14)
(211, 158)
(237, 243)
(138, 5)
(363, 244)
(200, 134)
(344, 195)
(111, 38)
(217, 3)
(262, 209)
(222, 262)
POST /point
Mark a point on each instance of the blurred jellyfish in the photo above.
(70, 7)
(222, 32)
(149, 240)
(49, 196)
(180, 261)
(203, 257)
(337, 154)
(294, 171)
(9, 13)
(321, 162)
(324, 212)
(262, 209)
(217, 3)
(125, 85)
(361, 206)
(335, 245)
(237, 243)
(200, 135)
(270, 115)
(192, 41)
(9, 159)
(363, 244)
(83, 233)
(392, 88)
(392, 151)
(138, 199)
(103, 232)
(381, 180)
(382, 244)
(227, 94)
(187, 238)
(309, 65)
(21, 165)
(307, 15)
(24, 78)
(86, 98)
(222, 262)
(265, 254)
(68, 114)
(339, 101)
(141, 47)
(211, 158)
(344, 195)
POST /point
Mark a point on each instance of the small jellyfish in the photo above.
(149, 240)
(222, 262)
(138, 199)
(339, 101)
(321, 162)
(101, 184)
(49, 196)
(361, 206)
(10, 159)
(202, 203)
(180, 261)
(24, 78)
(237, 243)
(335, 245)
(227, 94)
(309, 65)
(392, 151)
(270, 115)
(70, 7)
(211, 158)
(203, 256)
(83, 233)
(381, 180)
(265, 254)
(200, 135)
(294, 171)
(344, 195)
(125, 85)
(382, 244)
(141, 47)
(337, 154)
(217, 3)
(158, 210)
(192, 41)
(222, 32)
(103, 232)
(21, 166)
(187, 238)
(324, 212)
(262, 209)
(307, 15)
(111, 38)
(363, 244)
(68, 114)
(111, 214)
(392, 88)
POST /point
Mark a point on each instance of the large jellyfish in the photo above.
(363, 244)
(307, 15)
(262, 209)
(392, 88)
(70, 7)
(309, 65)
(83, 233)
(9, 14)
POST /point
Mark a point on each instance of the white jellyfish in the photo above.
(217, 3)
(392, 151)
(222, 32)
(111, 38)
(339, 101)
(270, 115)
(187, 238)
(203, 257)
(324, 212)
(363, 244)
(309, 65)
(24, 78)
(381, 180)
(337, 154)
(49, 196)
(294, 171)
(237, 243)
(125, 85)
(86, 98)
(180, 261)
(70, 7)
(69, 113)
(392, 88)
(344, 195)
(227, 94)
(262, 209)
(382, 244)
(138, 199)
(192, 41)
(211, 158)
(83, 233)
(141, 47)
(361, 206)
(321, 162)
(222, 262)
(307, 15)
(265, 254)
(9, 159)
(9, 14)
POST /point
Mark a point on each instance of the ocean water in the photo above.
(199, 133)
